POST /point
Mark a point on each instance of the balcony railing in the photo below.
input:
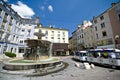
(5, 20)
(2, 27)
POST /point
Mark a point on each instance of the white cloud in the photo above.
(23, 10)
(50, 8)
(5, 0)
(42, 7)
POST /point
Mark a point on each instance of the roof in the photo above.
(53, 28)
(70, 38)
(104, 50)
(74, 31)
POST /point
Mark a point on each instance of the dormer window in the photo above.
(101, 18)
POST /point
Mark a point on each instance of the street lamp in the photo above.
(5, 44)
(116, 40)
(5, 47)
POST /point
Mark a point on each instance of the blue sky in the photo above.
(62, 13)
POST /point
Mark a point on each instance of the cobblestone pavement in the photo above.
(70, 73)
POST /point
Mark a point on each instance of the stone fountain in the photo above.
(37, 57)
(38, 49)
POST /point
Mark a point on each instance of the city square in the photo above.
(52, 41)
(70, 73)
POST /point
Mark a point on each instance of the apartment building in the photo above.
(89, 40)
(27, 32)
(74, 38)
(78, 40)
(107, 27)
(83, 37)
(11, 26)
(58, 37)
(70, 45)
(80, 37)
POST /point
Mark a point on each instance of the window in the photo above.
(95, 28)
(0, 10)
(1, 34)
(58, 34)
(110, 41)
(52, 37)
(3, 25)
(95, 21)
(119, 17)
(91, 30)
(97, 35)
(104, 33)
(17, 38)
(6, 15)
(81, 30)
(11, 20)
(13, 37)
(63, 33)
(52, 31)
(29, 31)
(101, 18)
(23, 30)
(9, 28)
(102, 25)
(82, 35)
(46, 37)
(46, 33)
(58, 39)
(21, 41)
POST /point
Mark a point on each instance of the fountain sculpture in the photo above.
(38, 56)
(38, 49)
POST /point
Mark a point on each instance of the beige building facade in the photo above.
(74, 38)
(83, 37)
(70, 45)
(107, 28)
(89, 40)
(57, 36)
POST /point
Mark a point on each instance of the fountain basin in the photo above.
(22, 64)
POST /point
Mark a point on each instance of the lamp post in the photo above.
(5, 47)
(116, 40)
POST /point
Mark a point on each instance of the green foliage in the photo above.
(10, 54)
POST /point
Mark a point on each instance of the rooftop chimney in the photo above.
(51, 26)
(37, 20)
(113, 4)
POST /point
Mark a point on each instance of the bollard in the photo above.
(86, 66)
(77, 64)
(92, 66)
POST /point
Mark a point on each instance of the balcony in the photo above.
(9, 28)
(5, 20)
(2, 27)
(0, 16)
(11, 20)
